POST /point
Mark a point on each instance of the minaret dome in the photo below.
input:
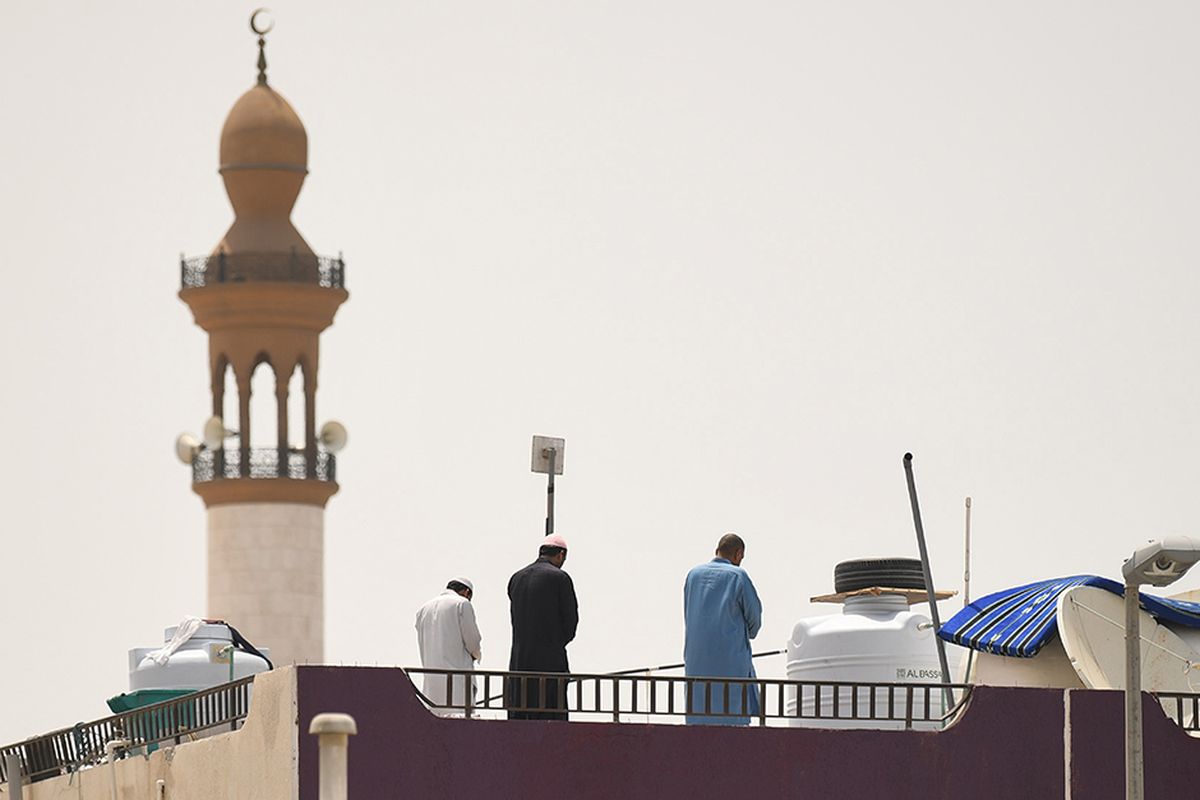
(263, 131)
(264, 159)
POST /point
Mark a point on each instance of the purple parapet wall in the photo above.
(1172, 768)
(1008, 744)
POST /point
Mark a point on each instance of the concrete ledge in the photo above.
(265, 490)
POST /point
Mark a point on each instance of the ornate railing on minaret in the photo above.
(264, 463)
(324, 271)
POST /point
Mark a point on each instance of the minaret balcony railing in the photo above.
(261, 463)
(324, 271)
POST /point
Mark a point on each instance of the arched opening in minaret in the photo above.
(226, 460)
(225, 397)
(264, 422)
(295, 408)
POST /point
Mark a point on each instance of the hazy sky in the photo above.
(741, 255)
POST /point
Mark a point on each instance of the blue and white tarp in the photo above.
(1018, 622)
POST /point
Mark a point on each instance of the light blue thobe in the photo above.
(721, 614)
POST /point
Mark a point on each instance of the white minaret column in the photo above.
(266, 575)
(264, 297)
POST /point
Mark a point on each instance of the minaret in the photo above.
(264, 297)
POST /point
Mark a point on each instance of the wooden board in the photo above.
(911, 595)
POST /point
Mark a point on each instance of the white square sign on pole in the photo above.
(542, 445)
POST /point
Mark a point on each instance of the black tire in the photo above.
(893, 573)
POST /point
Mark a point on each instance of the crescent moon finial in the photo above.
(254, 22)
(262, 31)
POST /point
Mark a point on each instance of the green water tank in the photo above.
(144, 697)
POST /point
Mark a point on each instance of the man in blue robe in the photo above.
(721, 614)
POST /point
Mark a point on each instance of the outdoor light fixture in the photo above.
(1158, 563)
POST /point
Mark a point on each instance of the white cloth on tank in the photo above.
(183, 631)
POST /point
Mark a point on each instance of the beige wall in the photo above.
(266, 576)
(258, 762)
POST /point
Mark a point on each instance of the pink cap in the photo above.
(554, 540)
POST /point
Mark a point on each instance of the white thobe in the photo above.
(448, 638)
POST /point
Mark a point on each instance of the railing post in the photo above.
(333, 733)
(12, 772)
(110, 755)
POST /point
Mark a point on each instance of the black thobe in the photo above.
(545, 614)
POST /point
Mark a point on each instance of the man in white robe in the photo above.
(448, 638)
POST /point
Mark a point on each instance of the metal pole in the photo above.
(664, 667)
(1133, 696)
(550, 493)
(933, 609)
(333, 733)
(12, 769)
(967, 586)
(967, 559)
(110, 753)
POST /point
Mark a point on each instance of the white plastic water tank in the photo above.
(876, 639)
(206, 659)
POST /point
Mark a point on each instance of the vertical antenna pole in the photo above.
(967, 558)
(933, 609)
(1134, 785)
(553, 453)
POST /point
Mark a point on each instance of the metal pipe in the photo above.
(966, 675)
(227, 650)
(933, 609)
(110, 750)
(553, 455)
(967, 558)
(680, 664)
(641, 670)
(333, 733)
(1133, 696)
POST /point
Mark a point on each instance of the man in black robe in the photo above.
(544, 617)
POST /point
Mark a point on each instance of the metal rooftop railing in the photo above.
(1182, 709)
(324, 271)
(660, 697)
(71, 749)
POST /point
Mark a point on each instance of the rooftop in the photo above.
(1000, 743)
